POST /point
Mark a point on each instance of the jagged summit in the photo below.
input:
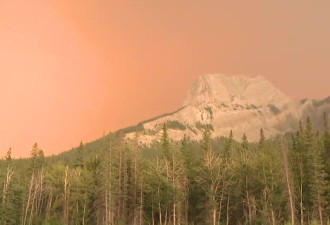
(239, 103)
(221, 89)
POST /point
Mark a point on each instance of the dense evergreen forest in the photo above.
(283, 180)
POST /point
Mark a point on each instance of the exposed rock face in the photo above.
(239, 103)
(230, 90)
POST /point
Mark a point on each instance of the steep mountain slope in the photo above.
(239, 103)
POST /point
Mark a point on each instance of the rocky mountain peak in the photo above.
(240, 104)
(218, 89)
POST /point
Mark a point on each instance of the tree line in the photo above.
(283, 180)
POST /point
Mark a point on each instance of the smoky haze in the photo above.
(72, 71)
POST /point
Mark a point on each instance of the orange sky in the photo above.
(71, 70)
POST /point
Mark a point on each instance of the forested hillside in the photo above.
(283, 180)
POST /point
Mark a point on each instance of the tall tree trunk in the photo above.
(288, 179)
(174, 184)
(120, 185)
(214, 215)
(174, 214)
(109, 190)
(247, 194)
(49, 204)
(7, 183)
(320, 210)
(159, 208)
(66, 197)
(152, 212)
(141, 207)
(84, 212)
(220, 206)
(35, 189)
(29, 199)
(301, 205)
(227, 209)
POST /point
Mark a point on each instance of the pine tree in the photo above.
(79, 159)
(185, 152)
(207, 141)
(307, 156)
(302, 161)
(120, 182)
(7, 210)
(318, 184)
(298, 160)
(228, 146)
(288, 179)
(269, 186)
(33, 205)
(262, 139)
(37, 158)
(210, 178)
(326, 141)
(8, 157)
(165, 143)
(245, 143)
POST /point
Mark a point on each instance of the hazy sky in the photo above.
(72, 70)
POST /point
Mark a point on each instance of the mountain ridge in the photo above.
(239, 103)
(226, 89)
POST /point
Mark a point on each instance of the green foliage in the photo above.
(166, 146)
(79, 159)
(207, 139)
(163, 115)
(245, 143)
(173, 124)
(8, 155)
(274, 109)
(209, 109)
(53, 221)
(214, 181)
(202, 126)
(137, 128)
(37, 156)
(229, 145)
(326, 143)
(262, 139)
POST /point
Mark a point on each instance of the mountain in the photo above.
(238, 103)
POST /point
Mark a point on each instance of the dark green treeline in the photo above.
(284, 180)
